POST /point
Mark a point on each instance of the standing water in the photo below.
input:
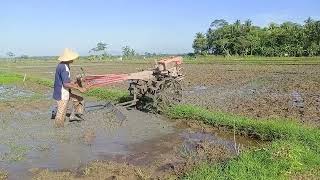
(28, 140)
(8, 93)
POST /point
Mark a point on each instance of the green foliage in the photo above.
(286, 39)
(280, 160)
(148, 54)
(99, 52)
(16, 152)
(295, 148)
(109, 94)
(128, 53)
(271, 129)
(100, 47)
(23, 56)
(10, 54)
(41, 81)
(10, 78)
(3, 175)
(200, 44)
(213, 59)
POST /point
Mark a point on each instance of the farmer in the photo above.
(62, 89)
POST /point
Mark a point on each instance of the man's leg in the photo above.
(61, 113)
(78, 106)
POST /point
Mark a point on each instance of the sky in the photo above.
(45, 27)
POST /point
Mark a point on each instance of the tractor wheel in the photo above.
(169, 93)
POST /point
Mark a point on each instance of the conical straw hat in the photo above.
(68, 55)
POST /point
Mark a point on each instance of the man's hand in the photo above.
(82, 89)
(72, 85)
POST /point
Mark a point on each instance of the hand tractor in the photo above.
(150, 90)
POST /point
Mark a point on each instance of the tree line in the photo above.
(244, 38)
(100, 51)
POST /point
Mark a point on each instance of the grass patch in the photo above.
(294, 149)
(250, 60)
(271, 129)
(198, 59)
(41, 81)
(310, 174)
(7, 78)
(3, 175)
(10, 78)
(280, 160)
(114, 95)
(16, 152)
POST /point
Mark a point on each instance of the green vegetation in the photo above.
(16, 152)
(187, 59)
(281, 160)
(294, 149)
(128, 53)
(255, 60)
(261, 129)
(41, 81)
(114, 95)
(11, 55)
(286, 39)
(3, 175)
(99, 52)
(10, 78)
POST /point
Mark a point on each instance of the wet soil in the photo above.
(259, 91)
(29, 139)
(10, 92)
(30, 144)
(146, 145)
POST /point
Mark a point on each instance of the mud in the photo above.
(30, 144)
(29, 139)
(165, 157)
(145, 145)
(259, 91)
(10, 92)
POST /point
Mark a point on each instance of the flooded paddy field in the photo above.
(258, 91)
(146, 145)
(29, 142)
(255, 90)
(9, 93)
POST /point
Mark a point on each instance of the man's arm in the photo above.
(67, 83)
(73, 85)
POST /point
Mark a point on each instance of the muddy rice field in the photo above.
(145, 145)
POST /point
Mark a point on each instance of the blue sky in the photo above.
(39, 27)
